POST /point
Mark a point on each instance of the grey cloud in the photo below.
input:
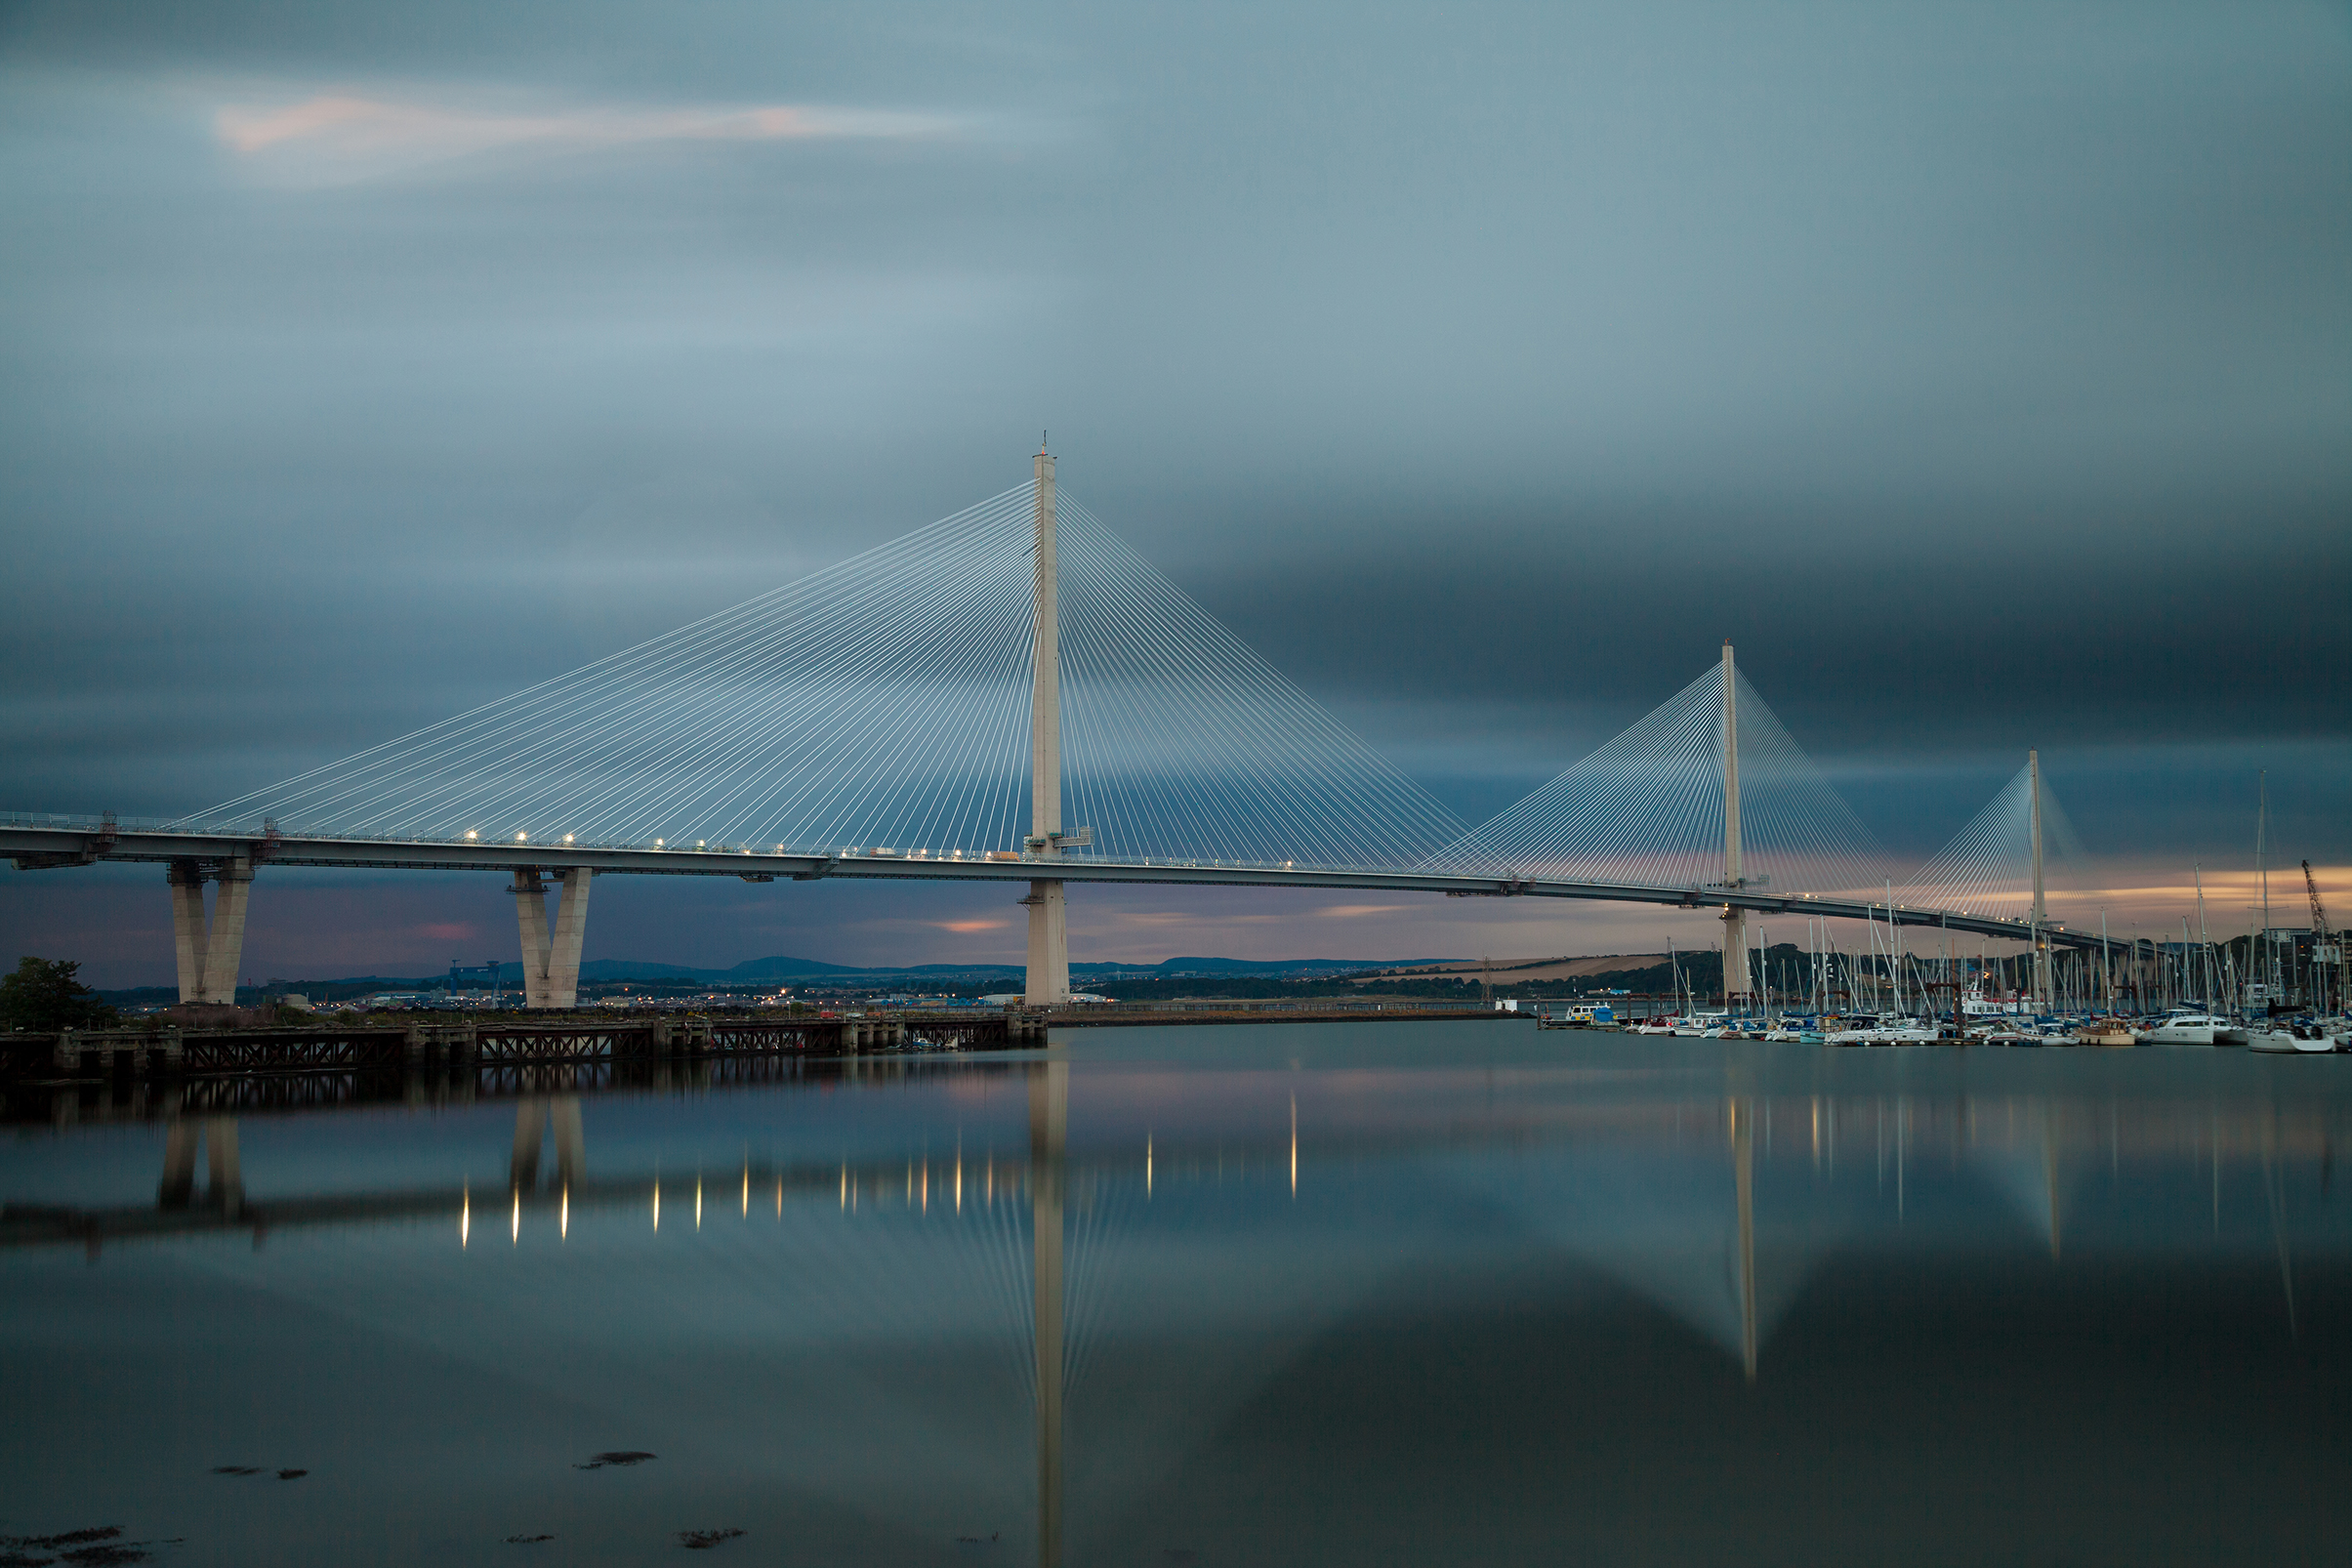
(1980, 369)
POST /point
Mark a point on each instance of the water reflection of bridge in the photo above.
(1892, 1133)
(1716, 1207)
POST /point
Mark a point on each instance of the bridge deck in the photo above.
(86, 843)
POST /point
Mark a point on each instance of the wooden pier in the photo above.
(175, 1052)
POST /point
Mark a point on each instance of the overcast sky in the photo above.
(1984, 369)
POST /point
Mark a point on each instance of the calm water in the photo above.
(1383, 1293)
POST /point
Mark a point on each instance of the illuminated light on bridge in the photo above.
(975, 687)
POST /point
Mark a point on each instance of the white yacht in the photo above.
(2188, 1029)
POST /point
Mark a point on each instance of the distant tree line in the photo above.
(45, 994)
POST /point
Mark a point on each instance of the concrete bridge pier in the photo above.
(210, 952)
(550, 961)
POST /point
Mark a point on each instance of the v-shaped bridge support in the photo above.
(551, 962)
(209, 951)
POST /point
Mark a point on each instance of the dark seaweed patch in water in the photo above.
(527, 1541)
(236, 1469)
(292, 1475)
(979, 1543)
(704, 1540)
(621, 1456)
(94, 1548)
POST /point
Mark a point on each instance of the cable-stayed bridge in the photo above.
(1012, 694)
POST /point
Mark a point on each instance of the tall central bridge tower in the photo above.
(1049, 980)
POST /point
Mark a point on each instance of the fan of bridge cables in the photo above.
(1988, 867)
(883, 702)
(1646, 808)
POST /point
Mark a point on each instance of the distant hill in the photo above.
(782, 967)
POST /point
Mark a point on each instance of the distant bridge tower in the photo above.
(1736, 985)
(1049, 980)
(2042, 914)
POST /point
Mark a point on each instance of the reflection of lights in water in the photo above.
(927, 1186)
(465, 1220)
(657, 1206)
(698, 1203)
(990, 1194)
(959, 1183)
(563, 1223)
(779, 1197)
(844, 1189)
(1294, 1145)
(515, 1226)
(747, 1191)
(1148, 1165)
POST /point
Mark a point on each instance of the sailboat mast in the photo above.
(2262, 869)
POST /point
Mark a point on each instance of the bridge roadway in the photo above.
(86, 842)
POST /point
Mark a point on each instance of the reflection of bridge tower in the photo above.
(1735, 920)
(1049, 1128)
(219, 1137)
(532, 1119)
(1743, 1158)
(1049, 980)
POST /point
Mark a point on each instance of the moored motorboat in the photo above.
(2188, 1029)
(2106, 1032)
